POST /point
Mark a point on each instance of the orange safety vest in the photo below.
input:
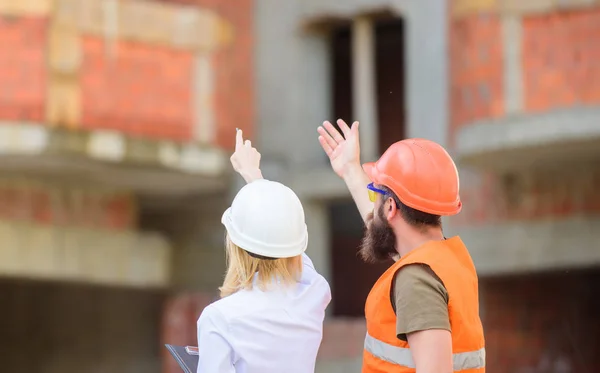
(451, 262)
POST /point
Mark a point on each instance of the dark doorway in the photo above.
(390, 78)
(389, 62)
(341, 73)
(352, 278)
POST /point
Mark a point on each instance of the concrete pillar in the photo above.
(317, 221)
(427, 68)
(203, 96)
(364, 85)
(512, 37)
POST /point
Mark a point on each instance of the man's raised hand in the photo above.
(343, 151)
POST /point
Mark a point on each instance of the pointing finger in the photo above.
(239, 139)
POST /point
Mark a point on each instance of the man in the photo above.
(423, 312)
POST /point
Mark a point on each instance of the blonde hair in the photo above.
(241, 268)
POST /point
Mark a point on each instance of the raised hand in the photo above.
(246, 159)
(343, 151)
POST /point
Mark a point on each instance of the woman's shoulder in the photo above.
(309, 272)
(228, 307)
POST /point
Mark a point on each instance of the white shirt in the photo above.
(275, 331)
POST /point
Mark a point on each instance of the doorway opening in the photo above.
(351, 277)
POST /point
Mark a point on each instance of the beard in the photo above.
(379, 242)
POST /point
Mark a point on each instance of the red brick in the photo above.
(141, 90)
(178, 328)
(22, 68)
(560, 59)
(476, 67)
(234, 75)
(180, 314)
(549, 195)
(557, 319)
(35, 204)
(42, 209)
(119, 212)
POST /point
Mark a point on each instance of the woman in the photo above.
(270, 315)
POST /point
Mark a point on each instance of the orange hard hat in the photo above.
(421, 173)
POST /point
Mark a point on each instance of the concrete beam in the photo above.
(108, 157)
(533, 246)
(178, 26)
(523, 140)
(319, 10)
(25, 7)
(465, 8)
(84, 255)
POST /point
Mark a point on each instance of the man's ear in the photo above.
(391, 209)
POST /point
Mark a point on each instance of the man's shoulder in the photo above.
(415, 279)
(416, 272)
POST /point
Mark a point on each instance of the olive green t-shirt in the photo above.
(420, 300)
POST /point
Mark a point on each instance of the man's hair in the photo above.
(416, 218)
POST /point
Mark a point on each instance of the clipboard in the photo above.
(186, 357)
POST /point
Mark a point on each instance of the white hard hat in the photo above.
(266, 218)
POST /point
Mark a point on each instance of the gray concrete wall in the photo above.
(427, 51)
(193, 226)
(292, 83)
(294, 93)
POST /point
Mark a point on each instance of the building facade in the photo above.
(512, 90)
(116, 123)
(118, 116)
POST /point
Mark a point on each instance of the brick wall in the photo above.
(22, 68)
(543, 323)
(476, 69)
(141, 77)
(557, 60)
(535, 323)
(550, 193)
(143, 90)
(66, 205)
(234, 95)
(560, 59)
(180, 313)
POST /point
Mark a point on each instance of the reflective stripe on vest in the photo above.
(403, 357)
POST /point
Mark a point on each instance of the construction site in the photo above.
(117, 121)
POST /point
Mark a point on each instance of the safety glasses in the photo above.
(373, 192)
